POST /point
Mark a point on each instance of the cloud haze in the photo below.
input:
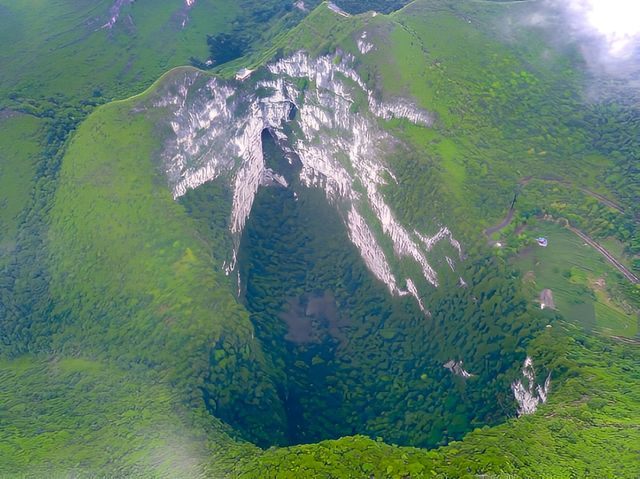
(615, 23)
(605, 32)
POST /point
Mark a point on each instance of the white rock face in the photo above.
(217, 127)
(413, 291)
(114, 12)
(184, 13)
(375, 259)
(528, 394)
(336, 9)
(456, 368)
(363, 45)
(444, 233)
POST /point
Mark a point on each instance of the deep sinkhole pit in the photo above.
(344, 356)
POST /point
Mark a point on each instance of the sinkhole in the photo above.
(343, 355)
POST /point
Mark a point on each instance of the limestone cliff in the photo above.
(322, 112)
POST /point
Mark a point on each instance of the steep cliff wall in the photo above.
(321, 111)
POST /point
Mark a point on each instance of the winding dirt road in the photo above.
(507, 219)
(595, 245)
(619, 266)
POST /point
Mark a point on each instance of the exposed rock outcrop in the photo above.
(528, 394)
(320, 110)
(114, 12)
(456, 368)
(364, 45)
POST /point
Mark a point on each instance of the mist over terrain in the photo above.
(605, 34)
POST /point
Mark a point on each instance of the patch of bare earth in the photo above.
(312, 317)
(546, 299)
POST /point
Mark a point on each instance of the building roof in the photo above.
(243, 74)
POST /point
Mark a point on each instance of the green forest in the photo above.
(126, 350)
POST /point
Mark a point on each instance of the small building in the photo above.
(243, 74)
(542, 241)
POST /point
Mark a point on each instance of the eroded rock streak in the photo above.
(528, 394)
(322, 111)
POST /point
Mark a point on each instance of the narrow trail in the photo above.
(587, 239)
(608, 256)
(602, 199)
(523, 182)
(505, 222)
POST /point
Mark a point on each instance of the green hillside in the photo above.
(20, 137)
(84, 56)
(128, 352)
(79, 417)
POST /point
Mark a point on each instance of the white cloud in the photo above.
(616, 22)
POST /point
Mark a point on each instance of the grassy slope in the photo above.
(508, 107)
(132, 282)
(64, 38)
(80, 57)
(84, 64)
(20, 136)
(571, 269)
(81, 417)
(504, 110)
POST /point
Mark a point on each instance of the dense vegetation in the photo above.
(382, 6)
(591, 417)
(54, 407)
(24, 295)
(126, 351)
(253, 27)
(340, 340)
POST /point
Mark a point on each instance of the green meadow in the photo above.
(583, 283)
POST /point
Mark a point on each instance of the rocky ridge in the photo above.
(320, 111)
